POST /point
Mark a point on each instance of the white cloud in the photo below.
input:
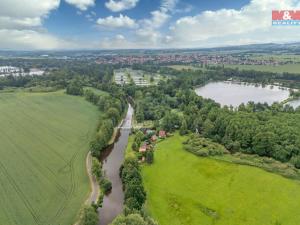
(81, 4)
(30, 40)
(149, 32)
(117, 22)
(120, 5)
(21, 25)
(217, 26)
(25, 9)
(169, 4)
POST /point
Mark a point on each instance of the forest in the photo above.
(262, 129)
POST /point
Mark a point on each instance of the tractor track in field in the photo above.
(70, 164)
(38, 140)
(72, 188)
(37, 165)
(20, 194)
(62, 121)
(5, 210)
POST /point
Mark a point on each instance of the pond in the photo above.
(295, 103)
(233, 93)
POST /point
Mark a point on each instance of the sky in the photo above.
(146, 24)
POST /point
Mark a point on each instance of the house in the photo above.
(153, 138)
(162, 134)
(143, 148)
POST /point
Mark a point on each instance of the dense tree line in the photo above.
(266, 130)
(135, 194)
(113, 109)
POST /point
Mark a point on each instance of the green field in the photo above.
(44, 142)
(184, 189)
(186, 67)
(289, 68)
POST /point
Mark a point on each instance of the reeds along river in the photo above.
(112, 160)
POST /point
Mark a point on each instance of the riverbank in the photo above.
(111, 162)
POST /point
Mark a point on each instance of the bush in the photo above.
(106, 186)
(203, 146)
(296, 161)
(149, 157)
(89, 216)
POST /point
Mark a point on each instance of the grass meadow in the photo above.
(289, 68)
(43, 145)
(183, 189)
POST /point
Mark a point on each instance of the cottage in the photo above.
(162, 134)
(143, 148)
(153, 138)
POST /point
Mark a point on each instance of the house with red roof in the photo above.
(162, 134)
(153, 138)
(143, 148)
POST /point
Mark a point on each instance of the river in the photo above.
(232, 93)
(112, 161)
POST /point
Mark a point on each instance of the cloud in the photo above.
(31, 40)
(28, 9)
(21, 25)
(117, 22)
(149, 31)
(121, 5)
(169, 5)
(217, 26)
(81, 4)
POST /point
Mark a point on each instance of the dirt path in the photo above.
(95, 192)
(95, 188)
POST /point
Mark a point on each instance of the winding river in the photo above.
(232, 93)
(112, 161)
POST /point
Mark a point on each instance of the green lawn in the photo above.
(44, 142)
(290, 68)
(184, 189)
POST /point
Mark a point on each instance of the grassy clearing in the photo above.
(184, 189)
(186, 67)
(290, 68)
(44, 141)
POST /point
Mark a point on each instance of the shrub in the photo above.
(106, 186)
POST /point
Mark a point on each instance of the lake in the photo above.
(295, 103)
(233, 93)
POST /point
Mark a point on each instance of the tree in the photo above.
(134, 146)
(89, 216)
(106, 186)
(132, 219)
(170, 121)
(96, 168)
(263, 143)
(74, 88)
(149, 156)
(113, 114)
(183, 128)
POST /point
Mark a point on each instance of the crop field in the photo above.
(289, 68)
(184, 189)
(43, 145)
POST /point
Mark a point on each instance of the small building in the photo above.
(154, 138)
(143, 148)
(162, 134)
